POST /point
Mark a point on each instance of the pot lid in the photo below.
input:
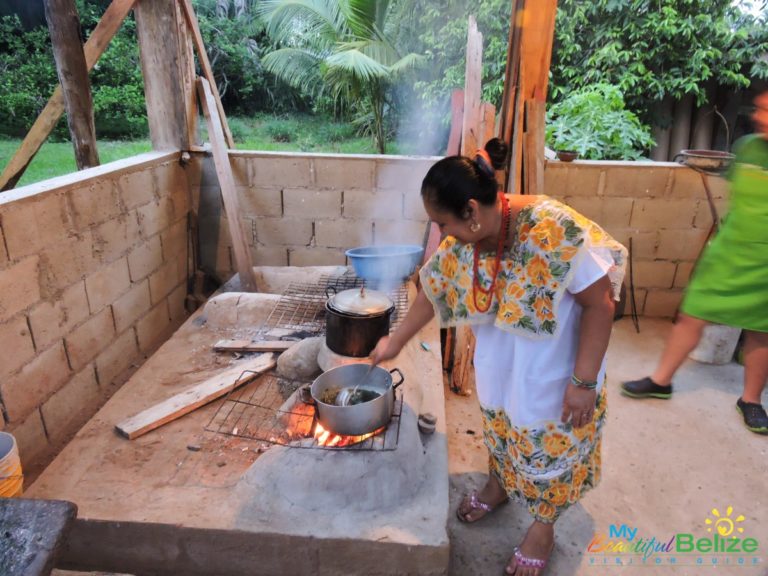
(361, 301)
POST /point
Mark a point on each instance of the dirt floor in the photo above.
(666, 465)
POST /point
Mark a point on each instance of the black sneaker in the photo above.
(755, 418)
(645, 388)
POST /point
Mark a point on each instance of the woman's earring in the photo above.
(474, 226)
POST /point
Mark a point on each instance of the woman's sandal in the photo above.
(475, 503)
(525, 562)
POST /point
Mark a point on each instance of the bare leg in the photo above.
(491, 494)
(538, 544)
(755, 365)
(682, 340)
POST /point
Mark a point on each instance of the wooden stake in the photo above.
(228, 189)
(205, 65)
(185, 402)
(472, 90)
(99, 40)
(64, 29)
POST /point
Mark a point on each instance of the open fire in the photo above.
(329, 439)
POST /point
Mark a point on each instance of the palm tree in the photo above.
(337, 48)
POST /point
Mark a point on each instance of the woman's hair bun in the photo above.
(497, 151)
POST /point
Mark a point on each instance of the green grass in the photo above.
(297, 133)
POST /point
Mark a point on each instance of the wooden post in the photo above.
(162, 65)
(64, 28)
(228, 189)
(99, 40)
(470, 139)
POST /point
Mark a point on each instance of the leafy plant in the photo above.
(594, 122)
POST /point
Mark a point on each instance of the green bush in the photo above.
(282, 129)
(594, 122)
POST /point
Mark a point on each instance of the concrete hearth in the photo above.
(183, 500)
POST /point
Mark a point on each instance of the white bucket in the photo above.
(11, 478)
(717, 344)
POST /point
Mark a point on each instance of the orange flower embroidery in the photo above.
(557, 493)
(451, 298)
(555, 443)
(547, 234)
(543, 307)
(511, 312)
(538, 271)
(546, 511)
(568, 252)
(449, 265)
(525, 446)
(514, 290)
(528, 489)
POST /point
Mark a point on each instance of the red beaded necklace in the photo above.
(503, 233)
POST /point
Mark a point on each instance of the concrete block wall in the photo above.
(661, 206)
(307, 209)
(93, 269)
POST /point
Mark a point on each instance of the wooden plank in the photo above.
(162, 62)
(228, 189)
(188, 76)
(487, 122)
(185, 402)
(251, 346)
(533, 149)
(472, 90)
(205, 65)
(511, 72)
(98, 41)
(457, 119)
(72, 70)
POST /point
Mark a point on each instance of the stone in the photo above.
(299, 362)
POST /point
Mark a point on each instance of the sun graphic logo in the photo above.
(724, 525)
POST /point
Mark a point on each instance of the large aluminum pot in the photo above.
(356, 419)
(355, 320)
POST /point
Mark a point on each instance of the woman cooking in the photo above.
(536, 282)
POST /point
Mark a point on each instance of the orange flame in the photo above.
(327, 438)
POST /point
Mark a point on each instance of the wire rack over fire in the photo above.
(270, 409)
(300, 312)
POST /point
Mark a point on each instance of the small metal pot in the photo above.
(355, 320)
(356, 419)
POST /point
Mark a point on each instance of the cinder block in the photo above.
(686, 183)
(168, 177)
(65, 263)
(117, 358)
(269, 255)
(637, 181)
(115, 237)
(155, 217)
(261, 201)
(386, 204)
(3, 251)
(592, 208)
(51, 320)
(181, 199)
(19, 286)
(659, 214)
(683, 274)
(653, 274)
(662, 303)
(644, 243)
(136, 188)
(403, 174)
(315, 256)
(719, 187)
(270, 171)
(145, 259)
(87, 340)
(413, 206)
(24, 391)
(556, 179)
(152, 329)
(398, 232)
(174, 240)
(703, 217)
(681, 244)
(344, 173)
(311, 204)
(106, 285)
(241, 170)
(131, 306)
(165, 279)
(17, 345)
(177, 303)
(31, 438)
(583, 180)
(343, 233)
(225, 266)
(95, 203)
(34, 223)
(284, 231)
(71, 406)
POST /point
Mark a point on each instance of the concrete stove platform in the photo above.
(228, 506)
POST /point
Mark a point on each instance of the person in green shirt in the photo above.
(730, 283)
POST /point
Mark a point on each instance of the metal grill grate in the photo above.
(300, 312)
(270, 410)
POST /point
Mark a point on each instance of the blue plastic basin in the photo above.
(387, 264)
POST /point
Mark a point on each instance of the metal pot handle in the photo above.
(305, 394)
(332, 290)
(675, 159)
(402, 378)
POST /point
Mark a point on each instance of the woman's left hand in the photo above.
(578, 405)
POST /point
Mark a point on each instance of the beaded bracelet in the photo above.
(586, 384)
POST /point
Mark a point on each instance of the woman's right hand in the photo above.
(385, 349)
